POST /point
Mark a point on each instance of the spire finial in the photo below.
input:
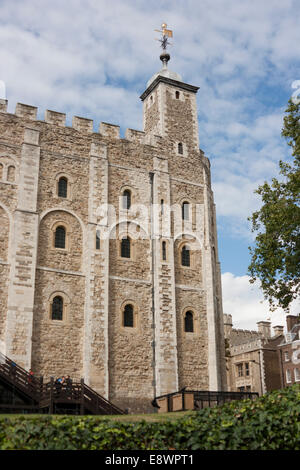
(165, 35)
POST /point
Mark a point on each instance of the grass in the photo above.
(151, 417)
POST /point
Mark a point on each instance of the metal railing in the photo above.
(50, 396)
(200, 399)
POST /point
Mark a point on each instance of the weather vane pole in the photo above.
(164, 41)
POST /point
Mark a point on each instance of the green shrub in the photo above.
(270, 422)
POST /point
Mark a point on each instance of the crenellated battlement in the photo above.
(3, 105)
(82, 124)
(85, 125)
(26, 111)
(109, 130)
(56, 118)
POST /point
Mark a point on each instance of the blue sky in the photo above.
(94, 58)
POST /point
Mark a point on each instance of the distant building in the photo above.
(289, 352)
(252, 363)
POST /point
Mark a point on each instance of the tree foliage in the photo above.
(276, 254)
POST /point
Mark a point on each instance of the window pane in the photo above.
(97, 240)
(185, 256)
(62, 187)
(189, 322)
(57, 308)
(164, 251)
(180, 148)
(240, 370)
(11, 174)
(125, 248)
(185, 211)
(60, 237)
(128, 315)
(126, 199)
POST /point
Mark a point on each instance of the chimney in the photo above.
(227, 324)
(278, 330)
(291, 320)
(264, 328)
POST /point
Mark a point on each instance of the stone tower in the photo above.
(108, 249)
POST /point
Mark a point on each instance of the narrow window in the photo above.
(125, 247)
(63, 187)
(57, 308)
(128, 316)
(288, 376)
(185, 256)
(180, 148)
(11, 174)
(60, 237)
(286, 356)
(1, 171)
(97, 239)
(162, 206)
(247, 370)
(177, 94)
(240, 370)
(189, 322)
(164, 251)
(297, 374)
(126, 199)
(185, 209)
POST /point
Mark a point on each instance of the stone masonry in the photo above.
(162, 167)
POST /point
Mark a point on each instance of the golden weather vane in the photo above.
(166, 33)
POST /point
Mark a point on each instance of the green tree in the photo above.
(275, 256)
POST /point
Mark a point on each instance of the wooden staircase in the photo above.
(21, 391)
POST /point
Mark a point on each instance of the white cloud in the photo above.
(94, 58)
(245, 302)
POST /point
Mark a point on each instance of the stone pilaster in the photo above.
(96, 265)
(166, 366)
(18, 336)
(213, 302)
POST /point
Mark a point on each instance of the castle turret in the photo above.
(170, 109)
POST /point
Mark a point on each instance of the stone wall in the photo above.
(128, 365)
(130, 349)
(57, 346)
(192, 347)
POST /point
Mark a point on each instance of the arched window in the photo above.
(128, 316)
(11, 174)
(60, 237)
(189, 322)
(1, 171)
(177, 94)
(125, 247)
(63, 187)
(126, 199)
(185, 256)
(180, 148)
(185, 211)
(164, 251)
(57, 308)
